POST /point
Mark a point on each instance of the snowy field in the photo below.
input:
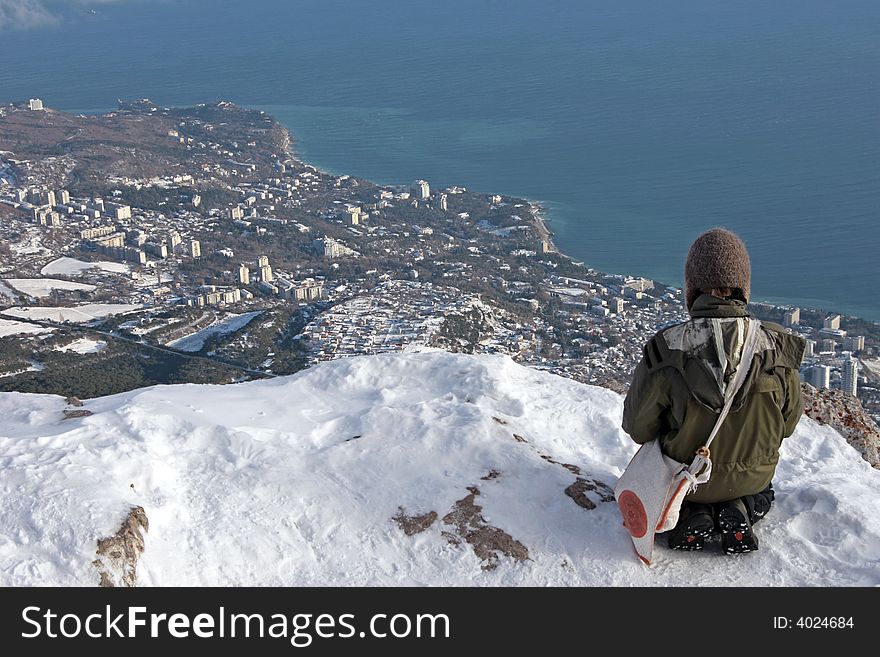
(84, 346)
(872, 365)
(296, 481)
(229, 324)
(30, 244)
(33, 367)
(72, 267)
(11, 327)
(42, 287)
(84, 313)
(7, 294)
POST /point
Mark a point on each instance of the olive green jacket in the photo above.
(676, 395)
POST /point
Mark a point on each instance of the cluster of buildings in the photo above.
(830, 355)
(399, 313)
(108, 227)
(328, 247)
(213, 295)
(588, 326)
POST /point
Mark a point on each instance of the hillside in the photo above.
(415, 469)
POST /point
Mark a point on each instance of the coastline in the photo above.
(540, 218)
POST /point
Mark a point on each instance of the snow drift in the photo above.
(413, 469)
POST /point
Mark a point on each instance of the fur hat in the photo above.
(717, 258)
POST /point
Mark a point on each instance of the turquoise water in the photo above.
(638, 123)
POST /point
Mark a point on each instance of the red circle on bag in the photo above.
(634, 517)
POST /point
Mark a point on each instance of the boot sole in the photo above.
(693, 541)
(737, 536)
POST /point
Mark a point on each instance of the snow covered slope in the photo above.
(229, 324)
(417, 468)
(43, 287)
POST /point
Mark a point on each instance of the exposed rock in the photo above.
(69, 414)
(845, 414)
(118, 555)
(414, 524)
(73, 401)
(486, 541)
(492, 474)
(579, 489)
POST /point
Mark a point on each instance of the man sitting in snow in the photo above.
(678, 390)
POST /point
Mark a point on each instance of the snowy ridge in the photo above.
(493, 471)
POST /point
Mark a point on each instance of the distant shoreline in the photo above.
(539, 215)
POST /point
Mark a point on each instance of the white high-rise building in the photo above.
(266, 273)
(35, 104)
(421, 189)
(353, 214)
(244, 274)
(262, 261)
(810, 348)
(820, 376)
(174, 241)
(832, 322)
(854, 343)
(850, 381)
(792, 317)
(443, 204)
(195, 249)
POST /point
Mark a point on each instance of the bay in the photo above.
(637, 124)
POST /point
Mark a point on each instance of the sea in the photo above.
(636, 123)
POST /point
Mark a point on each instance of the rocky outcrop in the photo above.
(118, 554)
(581, 490)
(488, 542)
(845, 414)
(76, 410)
(70, 414)
(414, 524)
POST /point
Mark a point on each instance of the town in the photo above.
(164, 245)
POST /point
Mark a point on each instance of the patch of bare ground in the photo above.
(487, 542)
(414, 524)
(71, 413)
(118, 554)
(579, 490)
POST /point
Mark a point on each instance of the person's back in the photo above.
(678, 388)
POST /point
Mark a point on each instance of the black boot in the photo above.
(695, 524)
(735, 527)
(760, 503)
